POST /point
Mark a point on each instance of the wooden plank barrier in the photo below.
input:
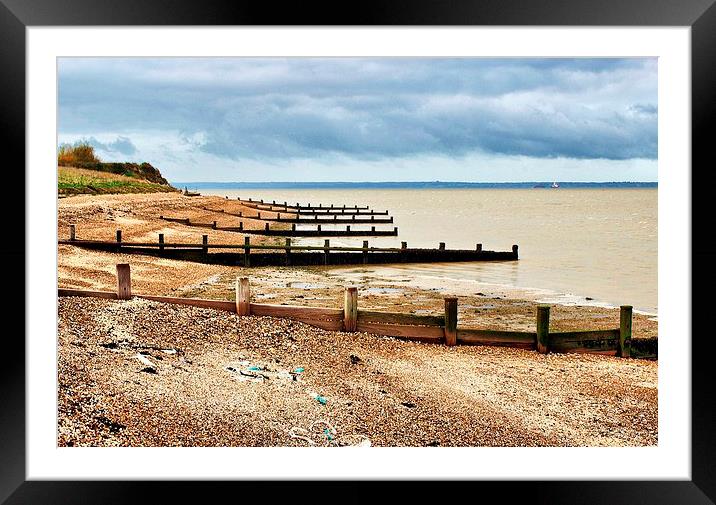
(430, 328)
(520, 339)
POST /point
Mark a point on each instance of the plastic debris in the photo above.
(328, 437)
(298, 370)
(255, 368)
(320, 399)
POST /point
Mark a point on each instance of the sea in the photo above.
(586, 244)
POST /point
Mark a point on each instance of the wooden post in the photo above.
(353, 217)
(319, 227)
(372, 218)
(267, 227)
(542, 328)
(241, 226)
(213, 225)
(348, 227)
(247, 251)
(478, 248)
(293, 227)
(450, 321)
(442, 246)
(365, 251)
(288, 251)
(350, 309)
(73, 229)
(335, 217)
(625, 320)
(243, 296)
(259, 215)
(372, 229)
(205, 243)
(326, 247)
(403, 245)
(124, 282)
(119, 236)
(514, 250)
(278, 217)
(249, 199)
(241, 213)
(161, 241)
(395, 230)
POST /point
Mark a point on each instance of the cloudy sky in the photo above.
(379, 119)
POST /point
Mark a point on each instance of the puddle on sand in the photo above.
(382, 291)
(305, 285)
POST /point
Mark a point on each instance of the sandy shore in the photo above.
(397, 393)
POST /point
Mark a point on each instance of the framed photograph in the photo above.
(423, 243)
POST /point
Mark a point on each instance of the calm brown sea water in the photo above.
(574, 243)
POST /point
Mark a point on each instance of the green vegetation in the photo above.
(81, 171)
(73, 181)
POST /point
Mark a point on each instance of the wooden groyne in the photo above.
(292, 232)
(437, 329)
(298, 220)
(298, 207)
(289, 254)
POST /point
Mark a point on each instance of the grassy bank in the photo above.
(74, 181)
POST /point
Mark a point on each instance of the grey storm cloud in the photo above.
(122, 145)
(370, 108)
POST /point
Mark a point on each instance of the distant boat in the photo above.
(554, 185)
(539, 186)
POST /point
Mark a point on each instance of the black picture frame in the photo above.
(700, 15)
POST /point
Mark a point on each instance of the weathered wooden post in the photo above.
(335, 217)
(262, 201)
(72, 232)
(365, 251)
(625, 320)
(395, 231)
(124, 282)
(249, 199)
(119, 236)
(348, 227)
(403, 245)
(450, 321)
(267, 227)
(353, 217)
(288, 251)
(350, 309)
(247, 250)
(205, 243)
(315, 216)
(161, 241)
(319, 227)
(372, 229)
(293, 227)
(213, 225)
(478, 248)
(326, 249)
(372, 218)
(241, 226)
(278, 217)
(442, 246)
(514, 250)
(241, 213)
(243, 296)
(542, 328)
(258, 215)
